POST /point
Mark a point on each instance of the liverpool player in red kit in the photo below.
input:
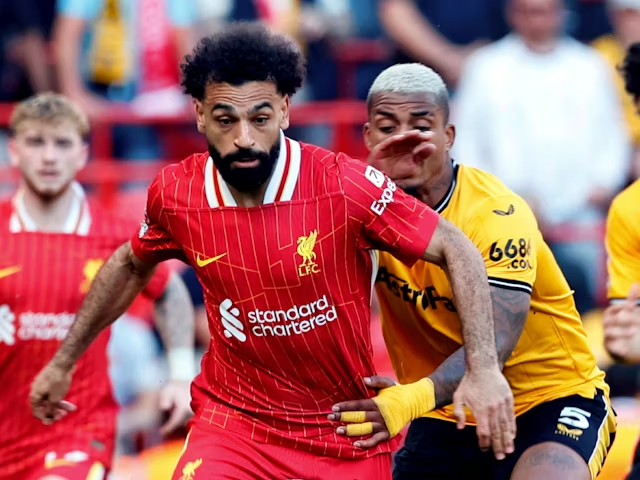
(282, 236)
(52, 244)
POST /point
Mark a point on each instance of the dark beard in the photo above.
(246, 180)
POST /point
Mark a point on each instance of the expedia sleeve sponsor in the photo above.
(384, 217)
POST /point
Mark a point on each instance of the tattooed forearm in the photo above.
(467, 275)
(510, 310)
(175, 316)
(112, 291)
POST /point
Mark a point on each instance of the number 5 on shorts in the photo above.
(575, 417)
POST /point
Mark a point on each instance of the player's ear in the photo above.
(450, 132)
(366, 132)
(84, 156)
(13, 154)
(284, 110)
(197, 104)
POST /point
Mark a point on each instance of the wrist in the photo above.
(181, 362)
(401, 404)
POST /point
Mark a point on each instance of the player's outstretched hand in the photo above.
(402, 156)
(622, 327)
(489, 397)
(363, 416)
(175, 398)
(47, 393)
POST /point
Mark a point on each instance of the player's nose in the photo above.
(244, 137)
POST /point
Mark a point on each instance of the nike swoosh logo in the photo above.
(5, 272)
(202, 262)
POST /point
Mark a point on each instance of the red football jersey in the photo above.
(43, 280)
(287, 287)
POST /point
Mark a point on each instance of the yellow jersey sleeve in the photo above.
(622, 241)
(506, 232)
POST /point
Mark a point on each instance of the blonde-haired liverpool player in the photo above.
(565, 425)
(622, 317)
(53, 241)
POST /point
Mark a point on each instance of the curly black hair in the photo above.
(243, 52)
(630, 70)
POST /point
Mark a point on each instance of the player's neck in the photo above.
(437, 185)
(49, 215)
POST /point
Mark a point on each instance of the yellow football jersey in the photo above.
(623, 242)
(419, 320)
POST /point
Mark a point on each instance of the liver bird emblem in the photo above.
(306, 245)
(189, 470)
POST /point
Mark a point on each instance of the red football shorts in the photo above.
(87, 470)
(223, 455)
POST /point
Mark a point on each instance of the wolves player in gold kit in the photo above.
(565, 423)
(622, 317)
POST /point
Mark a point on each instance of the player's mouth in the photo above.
(48, 174)
(245, 163)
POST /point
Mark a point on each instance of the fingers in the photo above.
(375, 440)
(458, 411)
(495, 420)
(361, 429)
(355, 417)
(423, 151)
(507, 427)
(165, 402)
(67, 406)
(376, 381)
(355, 406)
(483, 430)
(174, 422)
(358, 429)
(352, 417)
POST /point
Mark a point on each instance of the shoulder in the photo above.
(326, 167)
(486, 198)
(493, 53)
(627, 203)
(584, 55)
(173, 181)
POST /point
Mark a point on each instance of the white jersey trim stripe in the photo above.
(294, 171)
(209, 189)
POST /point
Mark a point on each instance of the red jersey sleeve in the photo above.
(384, 216)
(153, 243)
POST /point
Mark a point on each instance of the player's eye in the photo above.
(422, 128)
(225, 122)
(63, 143)
(34, 141)
(386, 129)
(261, 120)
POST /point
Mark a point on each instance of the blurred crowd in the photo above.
(537, 100)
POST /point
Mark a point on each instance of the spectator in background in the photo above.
(540, 111)
(24, 54)
(625, 18)
(442, 33)
(132, 56)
